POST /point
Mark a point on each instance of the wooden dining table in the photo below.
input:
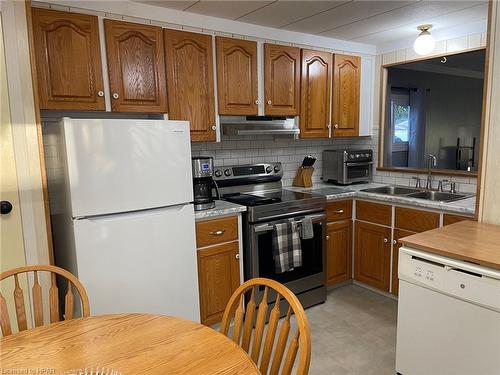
(126, 343)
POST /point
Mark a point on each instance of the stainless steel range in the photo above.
(259, 188)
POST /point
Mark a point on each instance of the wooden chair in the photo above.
(36, 291)
(244, 322)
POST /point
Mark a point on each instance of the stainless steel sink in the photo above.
(391, 190)
(438, 196)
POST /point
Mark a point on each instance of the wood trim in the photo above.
(445, 172)
(41, 151)
(483, 130)
(428, 57)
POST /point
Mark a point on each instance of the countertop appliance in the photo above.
(345, 167)
(203, 182)
(259, 187)
(448, 316)
(123, 218)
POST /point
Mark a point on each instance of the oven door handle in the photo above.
(268, 227)
(361, 163)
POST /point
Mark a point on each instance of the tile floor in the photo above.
(353, 333)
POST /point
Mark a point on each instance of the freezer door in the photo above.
(116, 165)
(140, 262)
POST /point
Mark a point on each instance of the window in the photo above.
(400, 118)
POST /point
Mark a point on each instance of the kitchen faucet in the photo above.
(432, 162)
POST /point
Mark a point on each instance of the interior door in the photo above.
(190, 81)
(68, 60)
(11, 232)
(315, 94)
(345, 98)
(140, 262)
(281, 80)
(127, 165)
(236, 76)
(136, 65)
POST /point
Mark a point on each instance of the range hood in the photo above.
(254, 125)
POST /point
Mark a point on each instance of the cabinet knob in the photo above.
(237, 256)
(386, 240)
(257, 102)
(115, 95)
(394, 242)
(269, 102)
(217, 232)
(329, 126)
(327, 237)
(5, 207)
(213, 127)
(336, 126)
(100, 93)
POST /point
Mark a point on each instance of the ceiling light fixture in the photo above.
(425, 43)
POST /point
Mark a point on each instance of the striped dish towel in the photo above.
(287, 252)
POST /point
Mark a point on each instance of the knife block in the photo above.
(303, 178)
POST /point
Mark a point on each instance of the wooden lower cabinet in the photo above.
(452, 219)
(218, 278)
(372, 255)
(398, 233)
(338, 252)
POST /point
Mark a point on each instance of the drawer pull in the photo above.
(339, 211)
(218, 232)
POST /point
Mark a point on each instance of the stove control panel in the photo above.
(249, 173)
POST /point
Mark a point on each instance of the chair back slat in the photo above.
(37, 301)
(68, 302)
(259, 326)
(19, 303)
(53, 299)
(238, 321)
(271, 333)
(36, 294)
(276, 353)
(4, 317)
(281, 343)
(291, 354)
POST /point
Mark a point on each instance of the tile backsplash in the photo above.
(237, 150)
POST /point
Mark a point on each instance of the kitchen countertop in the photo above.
(466, 240)
(464, 206)
(221, 208)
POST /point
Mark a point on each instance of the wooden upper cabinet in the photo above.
(315, 94)
(68, 60)
(281, 80)
(136, 66)
(237, 76)
(190, 81)
(345, 98)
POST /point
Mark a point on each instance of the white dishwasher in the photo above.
(448, 316)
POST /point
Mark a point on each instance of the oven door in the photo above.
(356, 172)
(306, 277)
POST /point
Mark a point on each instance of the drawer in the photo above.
(416, 220)
(339, 210)
(452, 219)
(374, 212)
(211, 232)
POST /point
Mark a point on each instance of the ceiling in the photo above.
(373, 22)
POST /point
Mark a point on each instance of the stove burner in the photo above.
(265, 197)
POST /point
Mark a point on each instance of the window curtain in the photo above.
(416, 140)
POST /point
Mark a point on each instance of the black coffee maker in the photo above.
(203, 183)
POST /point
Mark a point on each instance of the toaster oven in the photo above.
(345, 167)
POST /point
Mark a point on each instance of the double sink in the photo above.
(429, 195)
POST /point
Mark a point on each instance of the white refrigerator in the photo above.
(124, 222)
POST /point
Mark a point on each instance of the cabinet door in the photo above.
(315, 94)
(338, 252)
(281, 80)
(398, 233)
(190, 82)
(136, 67)
(236, 76)
(68, 60)
(218, 277)
(372, 255)
(345, 98)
